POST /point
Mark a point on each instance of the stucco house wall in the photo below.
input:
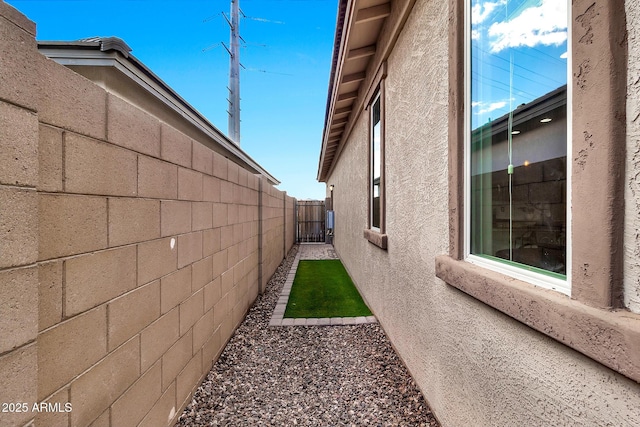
(632, 169)
(130, 250)
(475, 365)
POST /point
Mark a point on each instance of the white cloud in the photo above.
(481, 11)
(564, 55)
(545, 24)
(489, 107)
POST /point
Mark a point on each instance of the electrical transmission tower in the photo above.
(234, 67)
(234, 73)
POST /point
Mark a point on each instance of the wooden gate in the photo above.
(310, 221)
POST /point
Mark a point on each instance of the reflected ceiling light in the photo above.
(545, 120)
(526, 163)
(515, 132)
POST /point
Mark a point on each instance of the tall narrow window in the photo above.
(517, 136)
(375, 164)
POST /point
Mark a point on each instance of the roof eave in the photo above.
(113, 52)
(337, 47)
(358, 28)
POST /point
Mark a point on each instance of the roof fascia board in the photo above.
(337, 76)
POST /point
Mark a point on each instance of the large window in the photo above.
(593, 185)
(516, 164)
(376, 188)
(375, 106)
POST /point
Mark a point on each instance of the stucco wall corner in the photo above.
(597, 184)
(632, 167)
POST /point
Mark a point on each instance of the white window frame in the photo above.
(538, 279)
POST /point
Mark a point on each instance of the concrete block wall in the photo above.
(129, 252)
(290, 223)
(272, 232)
(19, 272)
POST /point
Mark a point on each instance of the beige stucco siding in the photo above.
(632, 190)
(475, 365)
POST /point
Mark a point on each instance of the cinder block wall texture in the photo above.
(129, 253)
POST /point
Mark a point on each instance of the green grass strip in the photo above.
(323, 288)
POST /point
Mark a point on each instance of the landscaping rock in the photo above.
(306, 375)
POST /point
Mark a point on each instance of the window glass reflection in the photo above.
(519, 132)
(375, 149)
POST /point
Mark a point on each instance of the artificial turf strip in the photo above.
(322, 288)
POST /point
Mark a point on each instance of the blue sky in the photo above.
(525, 38)
(287, 57)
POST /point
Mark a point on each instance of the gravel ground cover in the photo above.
(306, 375)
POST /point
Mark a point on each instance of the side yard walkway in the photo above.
(306, 375)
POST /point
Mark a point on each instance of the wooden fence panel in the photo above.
(310, 221)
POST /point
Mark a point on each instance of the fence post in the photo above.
(261, 286)
(284, 224)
